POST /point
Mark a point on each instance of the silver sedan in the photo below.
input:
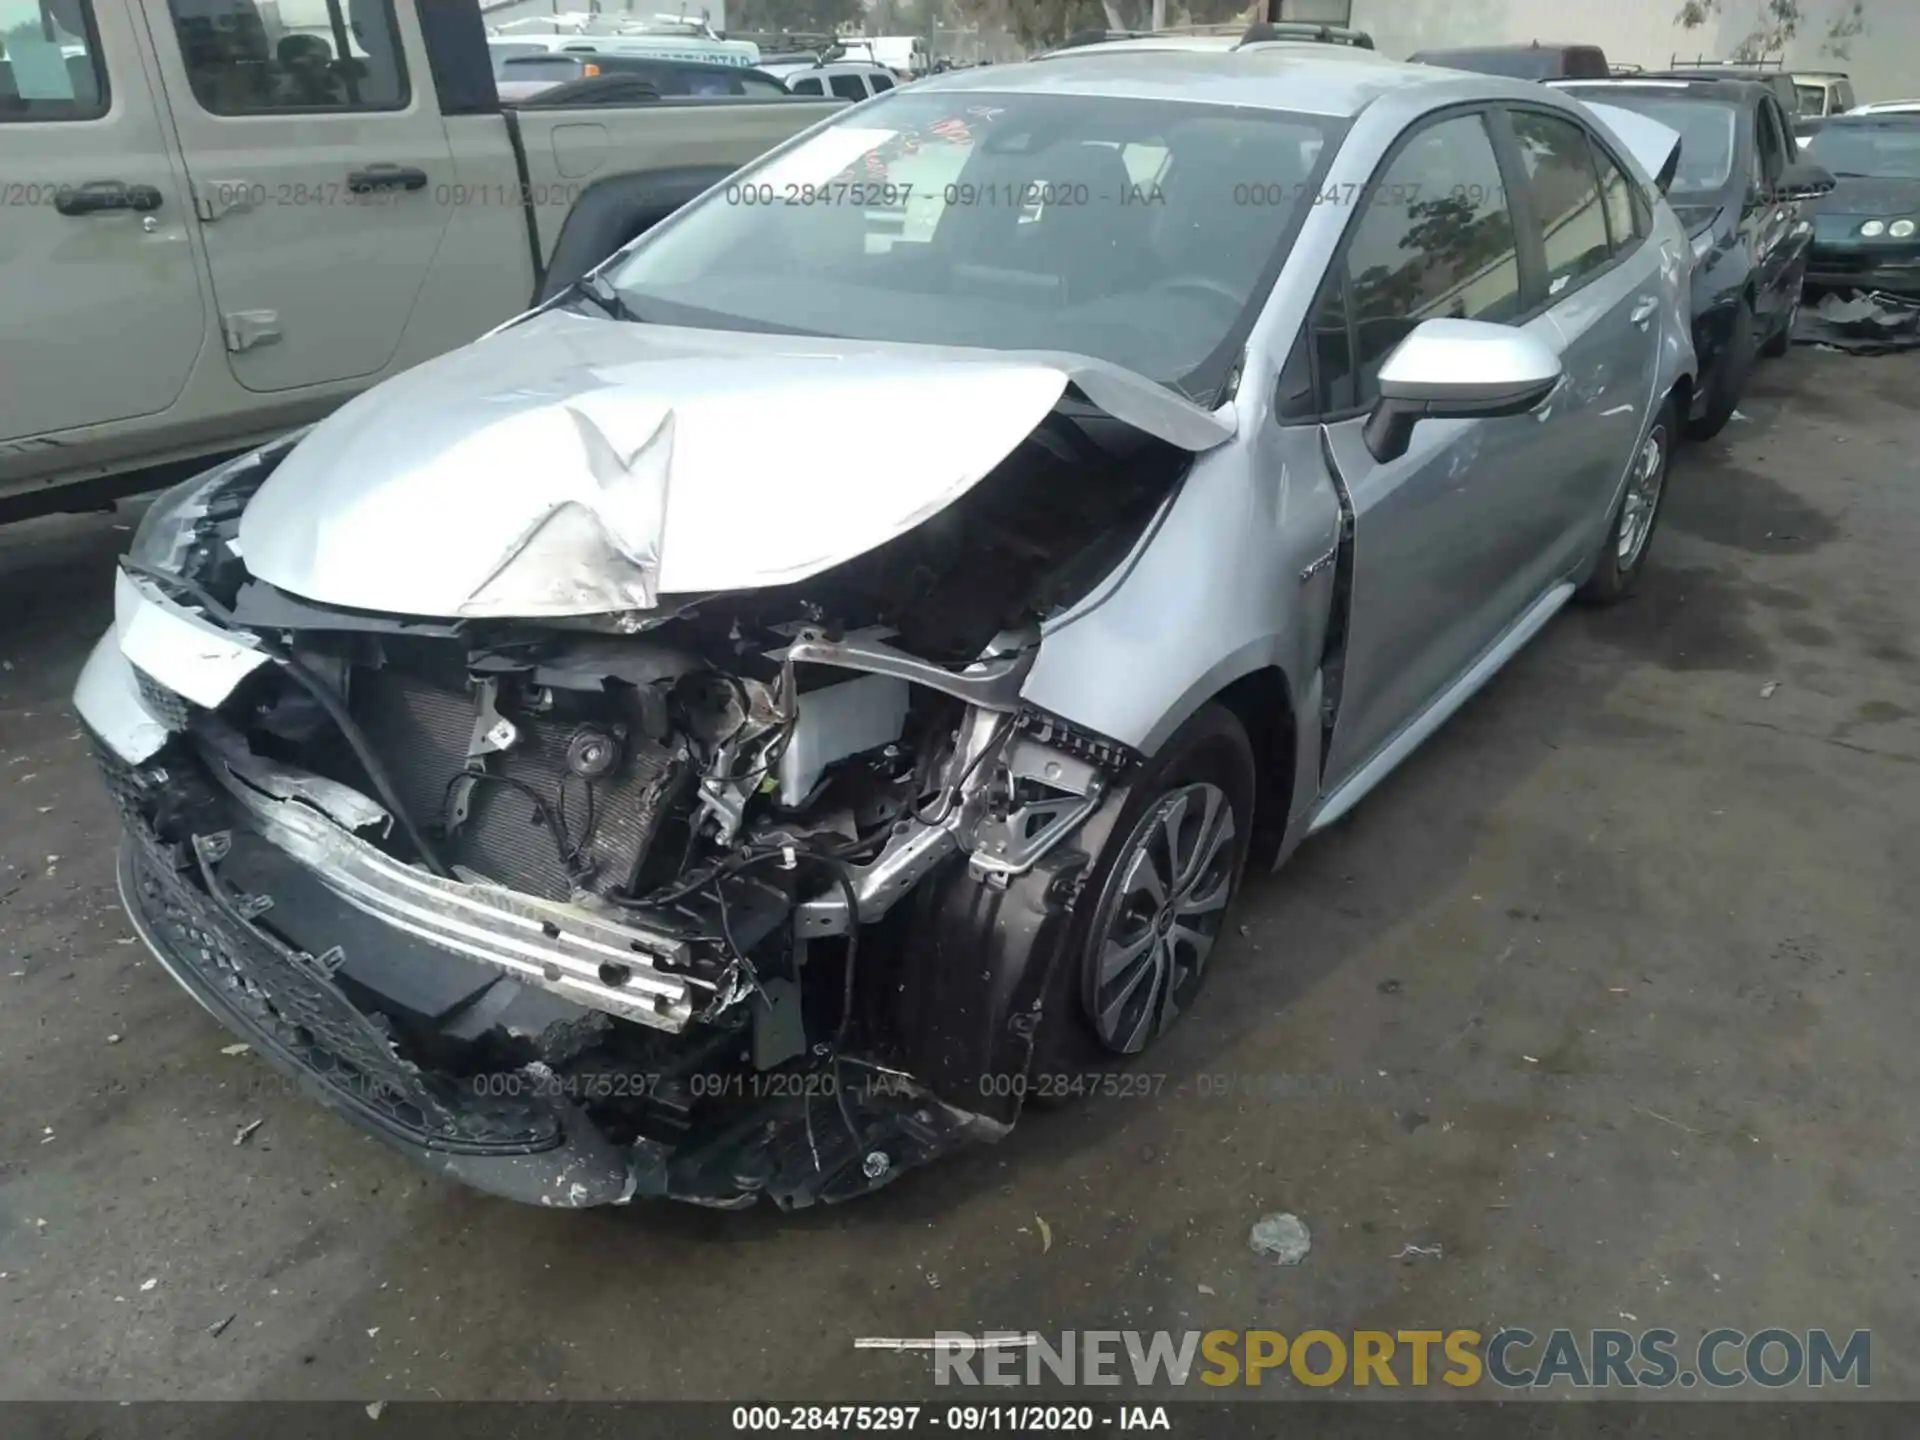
(742, 729)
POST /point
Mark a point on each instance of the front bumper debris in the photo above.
(823, 1133)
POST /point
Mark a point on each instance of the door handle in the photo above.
(99, 195)
(386, 177)
(1643, 310)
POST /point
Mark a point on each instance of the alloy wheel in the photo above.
(1163, 912)
(1642, 501)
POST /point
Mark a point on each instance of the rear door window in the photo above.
(1565, 188)
(253, 57)
(848, 87)
(50, 65)
(809, 85)
(1616, 195)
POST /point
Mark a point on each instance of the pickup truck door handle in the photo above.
(386, 177)
(1643, 310)
(99, 195)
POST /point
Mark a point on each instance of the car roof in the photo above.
(1853, 120)
(1308, 77)
(1514, 48)
(1701, 89)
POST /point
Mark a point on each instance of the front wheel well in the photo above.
(1682, 396)
(1262, 702)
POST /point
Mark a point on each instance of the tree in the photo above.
(1777, 24)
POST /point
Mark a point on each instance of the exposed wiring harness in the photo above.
(950, 796)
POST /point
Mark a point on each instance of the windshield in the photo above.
(1136, 231)
(503, 53)
(1707, 128)
(1882, 152)
(542, 67)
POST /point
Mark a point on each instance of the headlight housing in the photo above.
(171, 527)
(1901, 229)
(1874, 229)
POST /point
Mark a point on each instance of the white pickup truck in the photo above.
(220, 219)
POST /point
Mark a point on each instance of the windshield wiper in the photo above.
(599, 290)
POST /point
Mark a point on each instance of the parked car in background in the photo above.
(1886, 107)
(1823, 92)
(701, 48)
(1536, 61)
(1738, 191)
(1295, 31)
(580, 705)
(666, 77)
(847, 79)
(1866, 234)
(1771, 76)
(214, 234)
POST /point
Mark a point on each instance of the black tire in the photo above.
(1210, 750)
(1615, 574)
(1729, 380)
(1781, 341)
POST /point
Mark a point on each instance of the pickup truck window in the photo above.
(848, 87)
(808, 86)
(50, 61)
(254, 57)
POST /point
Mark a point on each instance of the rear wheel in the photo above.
(1729, 380)
(1624, 552)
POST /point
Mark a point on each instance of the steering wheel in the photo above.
(1206, 284)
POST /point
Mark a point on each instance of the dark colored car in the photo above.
(1866, 233)
(1538, 61)
(1777, 81)
(667, 77)
(1738, 191)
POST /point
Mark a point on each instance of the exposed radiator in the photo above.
(421, 732)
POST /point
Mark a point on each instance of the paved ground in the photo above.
(1604, 994)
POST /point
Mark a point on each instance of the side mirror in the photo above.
(1457, 370)
(1804, 180)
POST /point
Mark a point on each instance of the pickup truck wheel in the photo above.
(1156, 902)
(1623, 553)
(1729, 380)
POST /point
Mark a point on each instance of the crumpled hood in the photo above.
(569, 465)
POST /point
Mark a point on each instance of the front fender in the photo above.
(1224, 584)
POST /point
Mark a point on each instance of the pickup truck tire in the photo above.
(616, 210)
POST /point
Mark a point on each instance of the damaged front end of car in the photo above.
(744, 892)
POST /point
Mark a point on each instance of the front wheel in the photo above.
(1157, 898)
(1623, 554)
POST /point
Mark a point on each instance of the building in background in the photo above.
(1883, 59)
